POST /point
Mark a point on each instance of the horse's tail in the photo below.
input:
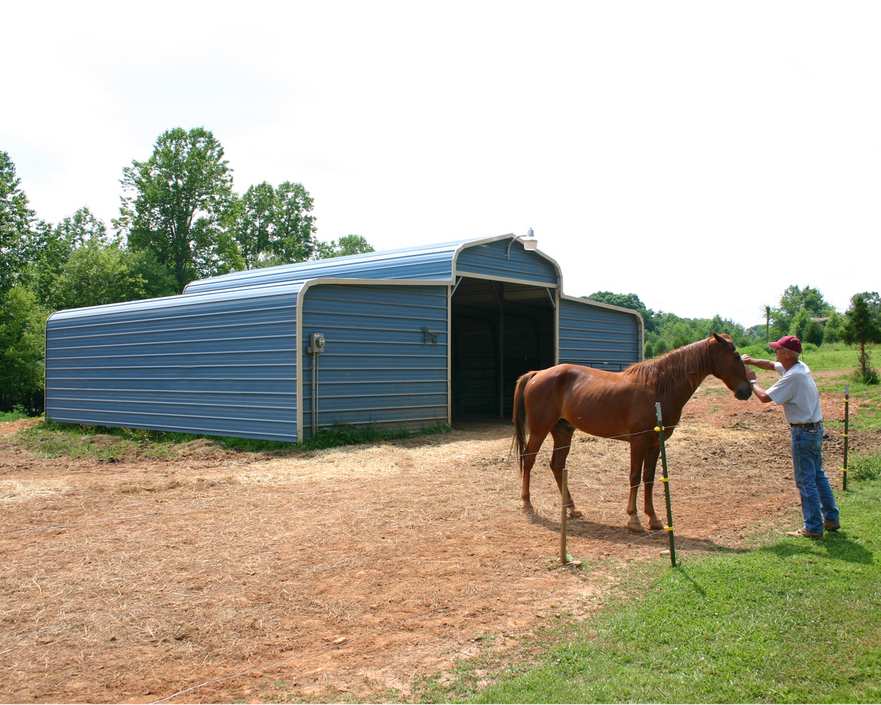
(518, 444)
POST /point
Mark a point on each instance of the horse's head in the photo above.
(729, 367)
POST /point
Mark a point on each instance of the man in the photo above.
(797, 393)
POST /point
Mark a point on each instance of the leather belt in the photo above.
(812, 424)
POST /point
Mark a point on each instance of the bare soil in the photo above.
(349, 573)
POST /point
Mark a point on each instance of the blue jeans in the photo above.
(817, 501)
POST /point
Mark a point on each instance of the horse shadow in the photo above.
(620, 535)
(837, 545)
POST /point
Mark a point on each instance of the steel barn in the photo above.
(397, 338)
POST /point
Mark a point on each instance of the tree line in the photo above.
(180, 219)
(802, 312)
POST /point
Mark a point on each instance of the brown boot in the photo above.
(804, 533)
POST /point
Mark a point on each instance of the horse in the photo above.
(618, 405)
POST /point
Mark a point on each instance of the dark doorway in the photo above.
(500, 331)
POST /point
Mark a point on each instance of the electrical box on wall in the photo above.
(317, 344)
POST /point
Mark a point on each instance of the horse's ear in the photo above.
(719, 339)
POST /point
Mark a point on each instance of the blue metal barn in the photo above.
(397, 338)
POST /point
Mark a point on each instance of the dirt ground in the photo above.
(227, 576)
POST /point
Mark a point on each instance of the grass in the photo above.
(786, 620)
(790, 620)
(836, 357)
(52, 440)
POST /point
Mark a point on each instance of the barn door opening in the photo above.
(500, 330)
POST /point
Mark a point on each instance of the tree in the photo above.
(346, 245)
(832, 329)
(794, 300)
(863, 328)
(53, 248)
(16, 224)
(103, 273)
(178, 200)
(815, 334)
(22, 345)
(274, 225)
(254, 223)
(295, 240)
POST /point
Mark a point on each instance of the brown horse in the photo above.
(618, 405)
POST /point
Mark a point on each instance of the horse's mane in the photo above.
(686, 365)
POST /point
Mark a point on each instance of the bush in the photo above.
(865, 468)
(869, 375)
(22, 342)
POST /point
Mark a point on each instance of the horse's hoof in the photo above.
(635, 527)
(527, 509)
(656, 525)
(576, 514)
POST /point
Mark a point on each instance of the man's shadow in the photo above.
(837, 545)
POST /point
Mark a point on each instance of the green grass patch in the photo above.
(831, 356)
(53, 440)
(789, 620)
(14, 415)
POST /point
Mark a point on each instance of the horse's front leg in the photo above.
(648, 479)
(637, 454)
(562, 434)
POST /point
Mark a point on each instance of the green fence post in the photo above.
(666, 480)
(846, 434)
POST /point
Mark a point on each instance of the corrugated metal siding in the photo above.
(217, 364)
(598, 337)
(378, 365)
(491, 259)
(421, 263)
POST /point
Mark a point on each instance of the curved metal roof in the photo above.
(437, 262)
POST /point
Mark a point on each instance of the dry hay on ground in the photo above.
(346, 572)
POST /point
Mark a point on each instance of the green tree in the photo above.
(55, 246)
(177, 203)
(863, 328)
(254, 223)
(792, 301)
(815, 333)
(799, 325)
(103, 273)
(16, 224)
(832, 329)
(295, 239)
(346, 245)
(274, 225)
(22, 345)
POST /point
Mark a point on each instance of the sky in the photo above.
(701, 155)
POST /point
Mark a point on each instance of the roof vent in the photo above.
(529, 242)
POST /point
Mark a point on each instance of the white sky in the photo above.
(702, 155)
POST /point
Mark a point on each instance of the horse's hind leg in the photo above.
(637, 454)
(648, 479)
(562, 434)
(528, 460)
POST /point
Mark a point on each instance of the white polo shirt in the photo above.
(797, 393)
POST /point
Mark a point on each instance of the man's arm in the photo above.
(758, 390)
(761, 364)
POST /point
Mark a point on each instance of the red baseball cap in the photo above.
(790, 342)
